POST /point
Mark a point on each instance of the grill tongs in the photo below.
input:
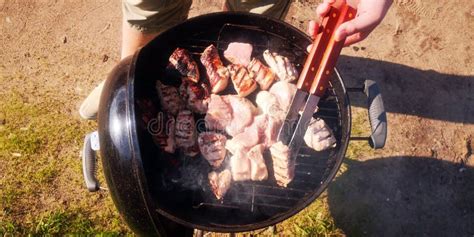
(314, 78)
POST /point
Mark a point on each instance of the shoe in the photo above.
(90, 105)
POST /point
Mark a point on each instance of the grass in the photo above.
(41, 187)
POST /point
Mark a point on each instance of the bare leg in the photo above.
(133, 39)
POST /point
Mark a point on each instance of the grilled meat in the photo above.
(185, 131)
(243, 112)
(283, 165)
(219, 113)
(162, 131)
(169, 98)
(243, 82)
(216, 72)
(220, 182)
(212, 147)
(280, 65)
(238, 53)
(196, 96)
(319, 135)
(284, 92)
(262, 74)
(183, 62)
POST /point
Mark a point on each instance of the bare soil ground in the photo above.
(53, 52)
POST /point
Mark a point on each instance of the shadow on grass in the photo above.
(408, 90)
(403, 196)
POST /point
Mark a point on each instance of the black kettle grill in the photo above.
(161, 194)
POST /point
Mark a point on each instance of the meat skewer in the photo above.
(283, 165)
(216, 72)
(212, 147)
(183, 62)
(262, 74)
(243, 82)
(220, 182)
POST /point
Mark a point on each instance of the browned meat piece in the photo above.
(219, 113)
(169, 98)
(196, 95)
(238, 53)
(220, 182)
(319, 135)
(185, 131)
(262, 74)
(183, 62)
(240, 167)
(281, 66)
(243, 83)
(243, 112)
(216, 72)
(212, 147)
(258, 169)
(162, 131)
(283, 165)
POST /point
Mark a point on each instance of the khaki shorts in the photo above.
(157, 15)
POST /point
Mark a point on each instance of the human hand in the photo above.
(369, 15)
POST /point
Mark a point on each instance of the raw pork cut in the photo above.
(238, 53)
(243, 112)
(219, 113)
(319, 135)
(284, 92)
(280, 65)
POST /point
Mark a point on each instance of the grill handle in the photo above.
(377, 115)
(89, 159)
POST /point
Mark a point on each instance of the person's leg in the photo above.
(142, 21)
(271, 8)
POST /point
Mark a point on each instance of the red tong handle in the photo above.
(324, 52)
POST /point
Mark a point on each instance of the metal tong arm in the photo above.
(324, 52)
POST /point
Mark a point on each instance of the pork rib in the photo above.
(216, 72)
(183, 62)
